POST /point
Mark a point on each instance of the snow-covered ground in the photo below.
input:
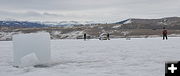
(116, 57)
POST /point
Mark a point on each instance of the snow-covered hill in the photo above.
(127, 21)
(116, 57)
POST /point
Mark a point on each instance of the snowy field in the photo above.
(117, 57)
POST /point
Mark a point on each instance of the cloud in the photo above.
(28, 15)
(96, 10)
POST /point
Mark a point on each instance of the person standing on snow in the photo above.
(84, 36)
(164, 32)
(108, 36)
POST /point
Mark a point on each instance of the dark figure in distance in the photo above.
(108, 36)
(164, 32)
(84, 36)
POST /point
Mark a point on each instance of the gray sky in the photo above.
(87, 10)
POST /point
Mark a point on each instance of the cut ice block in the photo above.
(37, 43)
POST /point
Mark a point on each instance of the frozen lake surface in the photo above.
(116, 57)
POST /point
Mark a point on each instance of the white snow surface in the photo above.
(117, 26)
(127, 22)
(115, 57)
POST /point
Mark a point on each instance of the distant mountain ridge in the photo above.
(21, 24)
(67, 23)
(168, 20)
(127, 23)
(13, 23)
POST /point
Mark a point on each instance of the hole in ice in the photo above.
(41, 66)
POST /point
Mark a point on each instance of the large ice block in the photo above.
(37, 43)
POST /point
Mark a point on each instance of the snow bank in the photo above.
(73, 34)
(117, 26)
(7, 35)
(36, 43)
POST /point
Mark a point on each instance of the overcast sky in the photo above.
(87, 10)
